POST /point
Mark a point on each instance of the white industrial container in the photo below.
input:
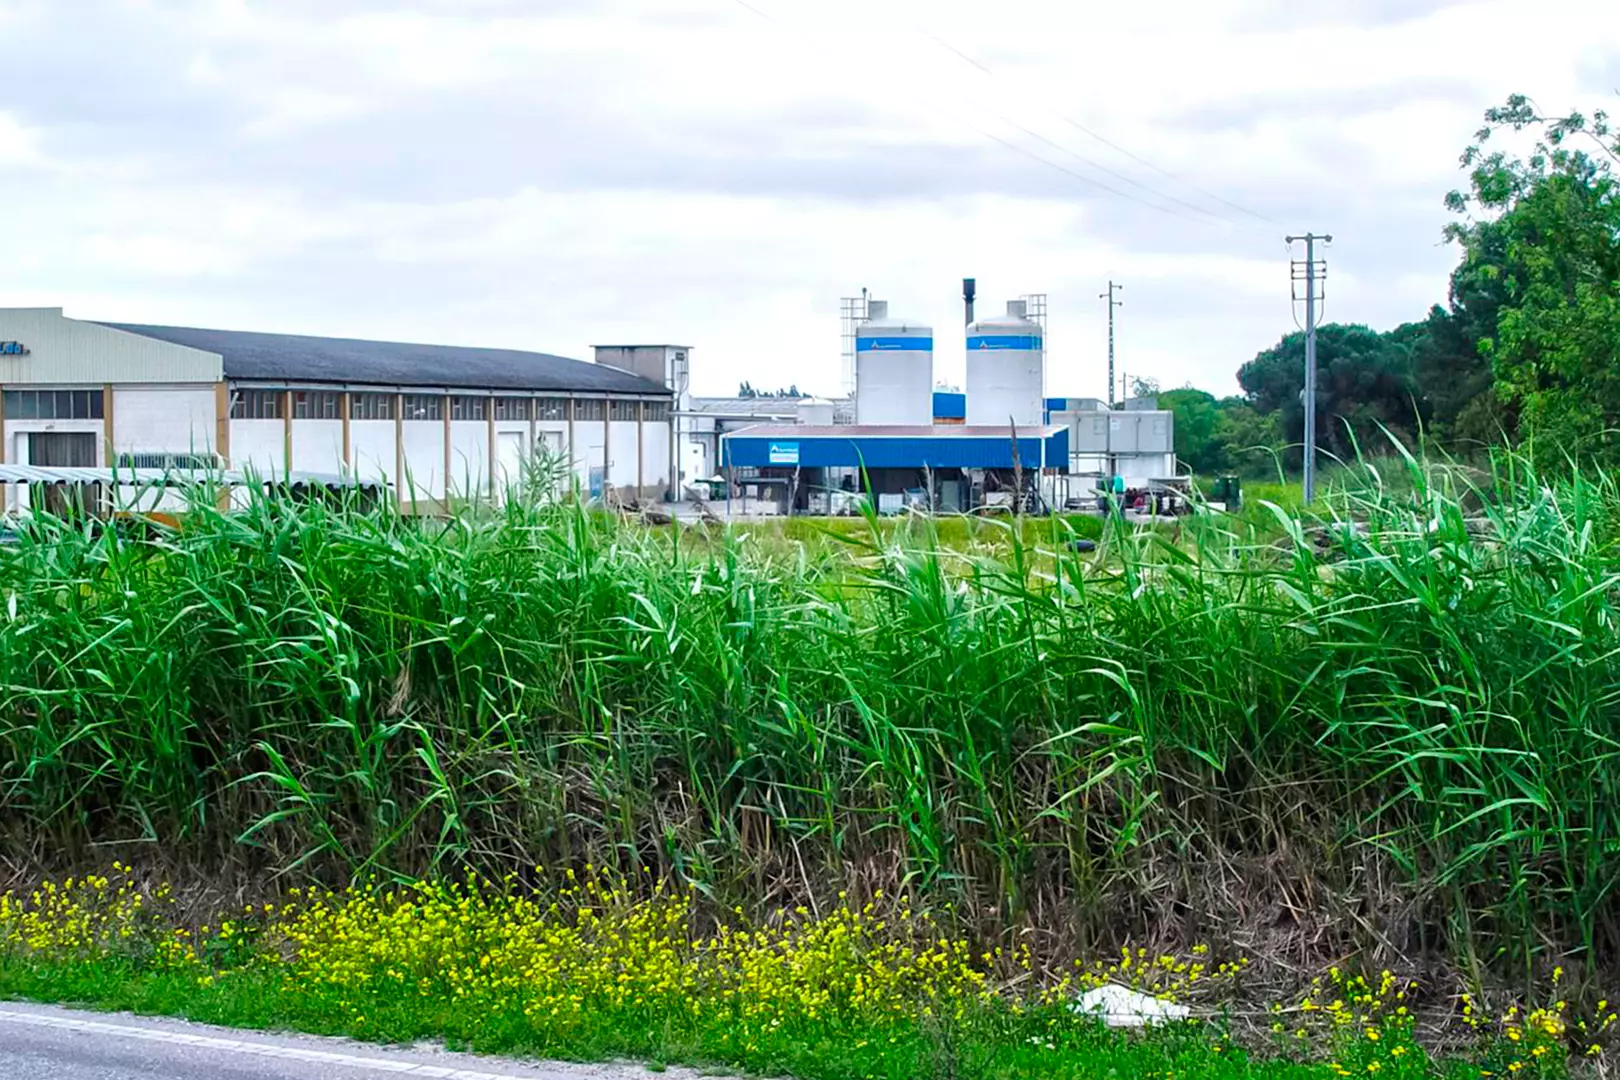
(894, 370)
(1006, 370)
(816, 412)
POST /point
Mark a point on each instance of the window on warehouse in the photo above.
(626, 410)
(423, 407)
(512, 408)
(256, 405)
(53, 404)
(371, 406)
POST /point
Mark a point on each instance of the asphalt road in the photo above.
(40, 1042)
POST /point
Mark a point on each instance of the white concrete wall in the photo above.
(163, 420)
(622, 454)
(588, 442)
(469, 457)
(655, 447)
(424, 459)
(371, 449)
(317, 446)
(259, 445)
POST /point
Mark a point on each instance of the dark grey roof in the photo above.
(295, 358)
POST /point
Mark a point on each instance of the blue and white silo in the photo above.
(1006, 370)
(894, 370)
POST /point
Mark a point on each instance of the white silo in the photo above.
(894, 370)
(1006, 370)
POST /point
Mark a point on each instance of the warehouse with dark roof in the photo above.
(434, 422)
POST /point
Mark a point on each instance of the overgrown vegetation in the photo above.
(1387, 731)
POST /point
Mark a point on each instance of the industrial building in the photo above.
(1004, 453)
(914, 444)
(434, 423)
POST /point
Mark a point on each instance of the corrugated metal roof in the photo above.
(297, 358)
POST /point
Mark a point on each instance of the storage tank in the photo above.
(894, 370)
(816, 412)
(1006, 370)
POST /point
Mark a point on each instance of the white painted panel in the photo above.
(588, 437)
(371, 447)
(424, 459)
(510, 452)
(317, 446)
(622, 453)
(163, 420)
(259, 445)
(655, 447)
(469, 453)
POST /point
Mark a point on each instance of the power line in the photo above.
(1083, 129)
(1026, 152)
(1105, 141)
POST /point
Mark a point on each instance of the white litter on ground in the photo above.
(1120, 1006)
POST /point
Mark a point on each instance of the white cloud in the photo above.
(553, 175)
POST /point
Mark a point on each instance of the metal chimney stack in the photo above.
(970, 289)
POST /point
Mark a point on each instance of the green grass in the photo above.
(1401, 742)
(1043, 1044)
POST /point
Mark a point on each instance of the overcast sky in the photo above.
(551, 174)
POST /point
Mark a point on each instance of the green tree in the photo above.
(1246, 440)
(1364, 380)
(1542, 241)
(1197, 415)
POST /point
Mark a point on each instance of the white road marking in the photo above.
(251, 1049)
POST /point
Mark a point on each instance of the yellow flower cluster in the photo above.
(1166, 977)
(647, 956)
(598, 947)
(93, 916)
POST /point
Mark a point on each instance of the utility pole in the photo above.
(1309, 272)
(1112, 304)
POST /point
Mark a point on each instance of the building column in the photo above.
(444, 503)
(222, 423)
(399, 452)
(532, 446)
(641, 454)
(286, 434)
(222, 440)
(110, 458)
(573, 458)
(607, 448)
(344, 404)
(489, 461)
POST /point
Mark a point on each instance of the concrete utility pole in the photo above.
(1309, 273)
(1112, 304)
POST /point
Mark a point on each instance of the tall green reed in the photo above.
(1391, 725)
